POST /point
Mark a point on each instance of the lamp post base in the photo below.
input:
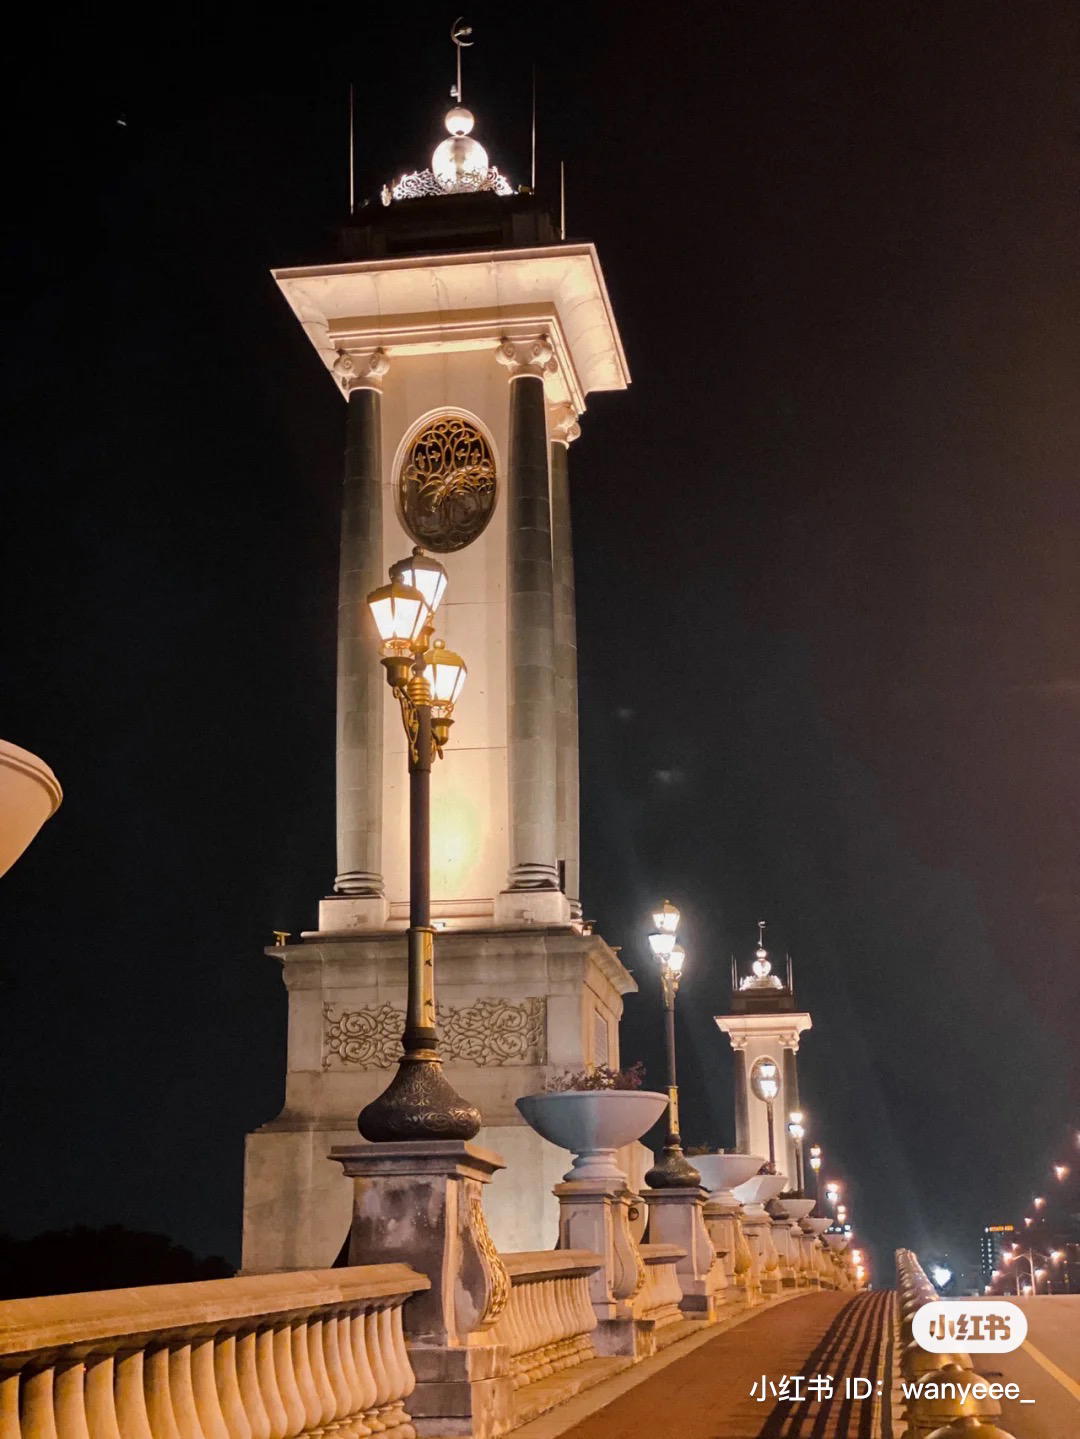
(673, 1170)
(419, 1103)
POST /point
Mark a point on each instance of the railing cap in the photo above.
(550, 1263)
(56, 1320)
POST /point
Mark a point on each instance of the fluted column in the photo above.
(359, 676)
(564, 430)
(742, 1100)
(791, 1098)
(532, 726)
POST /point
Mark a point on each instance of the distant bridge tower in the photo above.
(764, 1028)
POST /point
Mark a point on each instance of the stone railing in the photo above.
(660, 1297)
(273, 1355)
(943, 1412)
(549, 1317)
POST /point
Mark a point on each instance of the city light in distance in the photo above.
(1060, 1171)
(940, 1275)
(1039, 1203)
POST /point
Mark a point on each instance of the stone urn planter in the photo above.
(816, 1227)
(592, 1124)
(755, 1193)
(29, 795)
(836, 1242)
(720, 1172)
(797, 1209)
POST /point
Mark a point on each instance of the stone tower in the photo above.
(464, 335)
(764, 1028)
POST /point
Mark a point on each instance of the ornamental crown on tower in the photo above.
(459, 164)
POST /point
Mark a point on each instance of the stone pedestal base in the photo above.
(676, 1216)
(342, 912)
(420, 1203)
(594, 1214)
(516, 1007)
(532, 906)
(724, 1223)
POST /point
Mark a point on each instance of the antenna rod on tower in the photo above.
(562, 200)
(352, 156)
(532, 180)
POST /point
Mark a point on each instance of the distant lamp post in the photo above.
(672, 1169)
(1039, 1203)
(797, 1130)
(765, 1082)
(832, 1195)
(815, 1165)
(426, 678)
(1061, 1171)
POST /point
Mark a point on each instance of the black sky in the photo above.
(827, 554)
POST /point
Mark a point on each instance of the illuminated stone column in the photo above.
(742, 1102)
(360, 681)
(791, 1093)
(564, 430)
(530, 584)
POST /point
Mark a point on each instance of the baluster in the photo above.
(38, 1413)
(269, 1386)
(204, 1384)
(228, 1387)
(358, 1334)
(374, 1419)
(302, 1370)
(10, 1427)
(131, 1416)
(182, 1389)
(354, 1428)
(403, 1364)
(334, 1371)
(393, 1404)
(69, 1398)
(247, 1376)
(285, 1370)
(316, 1340)
(159, 1406)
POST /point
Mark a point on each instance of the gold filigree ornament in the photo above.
(446, 486)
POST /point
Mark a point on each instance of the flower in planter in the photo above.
(597, 1076)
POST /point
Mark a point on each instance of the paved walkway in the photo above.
(710, 1394)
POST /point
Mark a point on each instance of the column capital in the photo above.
(563, 424)
(738, 1042)
(532, 356)
(360, 370)
(791, 1040)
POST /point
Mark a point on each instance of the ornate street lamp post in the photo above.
(672, 1170)
(797, 1130)
(426, 678)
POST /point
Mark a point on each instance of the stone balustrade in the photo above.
(272, 1356)
(948, 1415)
(549, 1318)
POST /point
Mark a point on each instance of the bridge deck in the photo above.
(708, 1393)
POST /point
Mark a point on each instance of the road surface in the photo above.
(1047, 1369)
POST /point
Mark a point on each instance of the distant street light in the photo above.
(1061, 1171)
(797, 1130)
(672, 1169)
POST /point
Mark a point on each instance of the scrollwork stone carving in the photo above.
(486, 1032)
(360, 371)
(563, 424)
(528, 357)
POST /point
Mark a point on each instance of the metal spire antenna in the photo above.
(459, 32)
(532, 176)
(761, 934)
(352, 155)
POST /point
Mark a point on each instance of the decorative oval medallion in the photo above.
(447, 484)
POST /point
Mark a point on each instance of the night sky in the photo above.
(827, 556)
